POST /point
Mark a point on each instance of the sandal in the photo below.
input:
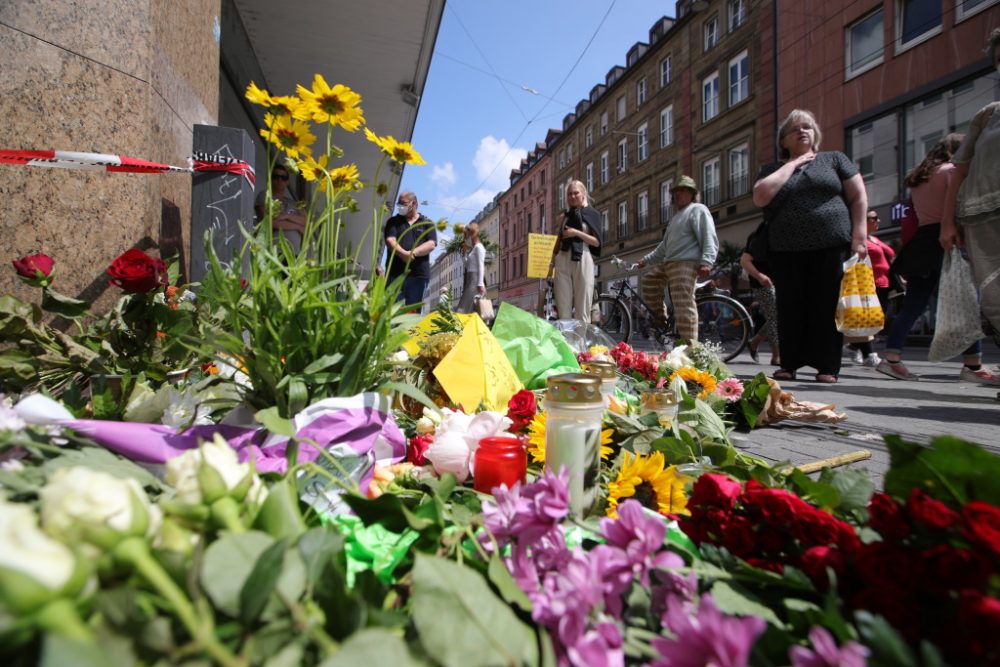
(826, 378)
(784, 375)
(896, 369)
(752, 349)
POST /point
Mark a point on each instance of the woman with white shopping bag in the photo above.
(474, 261)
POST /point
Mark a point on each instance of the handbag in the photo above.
(957, 324)
(859, 313)
(485, 309)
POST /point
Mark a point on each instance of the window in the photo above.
(641, 210)
(966, 8)
(588, 137)
(665, 72)
(620, 109)
(665, 203)
(604, 223)
(562, 159)
(562, 197)
(667, 126)
(737, 14)
(528, 229)
(588, 176)
(710, 179)
(604, 123)
(640, 93)
(710, 97)
(569, 152)
(541, 218)
(739, 171)
(622, 155)
(541, 177)
(874, 147)
(622, 219)
(711, 32)
(641, 152)
(916, 20)
(865, 44)
(604, 167)
(739, 79)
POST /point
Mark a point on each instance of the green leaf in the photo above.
(271, 419)
(318, 547)
(483, 630)
(854, 486)
(951, 470)
(888, 648)
(59, 651)
(818, 493)
(259, 585)
(388, 510)
(280, 515)
(373, 647)
(228, 563)
(323, 363)
(60, 304)
(731, 601)
(504, 582)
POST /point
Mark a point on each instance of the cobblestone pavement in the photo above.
(877, 405)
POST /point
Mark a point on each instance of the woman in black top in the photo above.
(755, 263)
(815, 204)
(573, 257)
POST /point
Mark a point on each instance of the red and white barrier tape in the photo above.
(123, 163)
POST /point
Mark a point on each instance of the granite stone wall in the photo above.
(110, 76)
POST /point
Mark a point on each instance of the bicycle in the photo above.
(722, 320)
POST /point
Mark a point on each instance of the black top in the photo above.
(408, 237)
(756, 247)
(579, 218)
(809, 212)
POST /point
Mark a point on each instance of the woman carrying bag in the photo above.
(474, 260)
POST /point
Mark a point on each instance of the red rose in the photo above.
(418, 447)
(35, 269)
(818, 528)
(706, 524)
(816, 560)
(882, 564)
(886, 516)
(764, 564)
(896, 604)
(521, 409)
(982, 525)
(948, 568)
(137, 273)
(739, 538)
(714, 490)
(979, 617)
(932, 513)
(776, 506)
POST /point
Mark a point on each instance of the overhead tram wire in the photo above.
(524, 129)
(521, 86)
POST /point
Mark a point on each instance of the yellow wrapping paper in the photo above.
(420, 333)
(477, 370)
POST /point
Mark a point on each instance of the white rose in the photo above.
(205, 474)
(450, 453)
(484, 425)
(400, 357)
(453, 419)
(677, 358)
(84, 504)
(26, 549)
(425, 425)
(185, 409)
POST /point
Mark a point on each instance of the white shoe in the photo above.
(871, 361)
(858, 357)
(982, 376)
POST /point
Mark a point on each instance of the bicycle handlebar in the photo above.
(620, 263)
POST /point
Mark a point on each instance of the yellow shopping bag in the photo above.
(859, 313)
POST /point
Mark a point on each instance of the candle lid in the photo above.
(574, 388)
(659, 398)
(607, 370)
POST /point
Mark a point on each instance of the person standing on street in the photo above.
(573, 256)
(687, 252)
(881, 256)
(409, 240)
(288, 219)
(474, 261)
(815, 204)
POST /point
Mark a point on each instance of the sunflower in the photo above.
(697, 381)
(323, 104)
(291, 136)
(399, 151)
(284, 105)
(536, 439)
(645, 479)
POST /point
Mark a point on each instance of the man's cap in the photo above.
(685, 182)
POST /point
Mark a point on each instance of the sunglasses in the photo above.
(280, 177)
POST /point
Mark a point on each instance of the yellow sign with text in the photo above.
(540, 254)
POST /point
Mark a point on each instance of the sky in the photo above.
(504, 72)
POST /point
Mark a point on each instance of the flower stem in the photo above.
(226, 513)
(60, 617)
(135, 551)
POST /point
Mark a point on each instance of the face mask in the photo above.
(403, 209)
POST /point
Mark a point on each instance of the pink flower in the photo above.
(730, 389)
(825, 652)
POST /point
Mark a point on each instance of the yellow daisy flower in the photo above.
(292, 137)
(399, 151)
(323, 104)
(345, 178)
(645, 479)
(313, 170)
(536, 439)
(284, 105)
(692, 376)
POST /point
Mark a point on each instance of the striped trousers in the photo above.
(680, 277)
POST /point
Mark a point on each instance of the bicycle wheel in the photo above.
(724, 322)
(611, 317)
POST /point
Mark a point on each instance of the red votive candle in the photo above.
(499, 460)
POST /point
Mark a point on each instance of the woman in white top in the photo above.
(474, 259)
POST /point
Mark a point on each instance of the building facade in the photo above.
(525, 208)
